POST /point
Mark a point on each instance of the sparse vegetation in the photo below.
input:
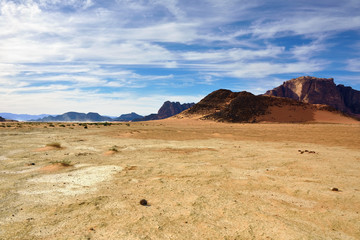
(114, 148)
(64, 163)
(54, 145)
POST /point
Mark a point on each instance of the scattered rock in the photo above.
(143, 202)
(305, 151)
(335, 189)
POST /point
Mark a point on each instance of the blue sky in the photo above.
(119, 56)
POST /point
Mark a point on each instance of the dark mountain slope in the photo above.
(168, 109)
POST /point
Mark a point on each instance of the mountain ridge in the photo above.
(75, 116)
(22, 117)
(243, 107)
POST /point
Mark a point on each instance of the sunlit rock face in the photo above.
(320, 91)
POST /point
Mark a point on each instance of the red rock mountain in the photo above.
(169, 109)
(227, 106)
(320, 91)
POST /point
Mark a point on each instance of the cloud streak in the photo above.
(156, 47)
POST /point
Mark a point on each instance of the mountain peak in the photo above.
(319, 91)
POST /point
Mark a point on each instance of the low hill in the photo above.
(127, 117)
(244, 107)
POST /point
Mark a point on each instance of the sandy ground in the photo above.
(202, 180)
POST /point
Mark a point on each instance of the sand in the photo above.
(202, 180)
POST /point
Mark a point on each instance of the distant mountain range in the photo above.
(168, 109)
(76, 117)
(22, 117)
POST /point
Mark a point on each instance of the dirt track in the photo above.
(202, 180)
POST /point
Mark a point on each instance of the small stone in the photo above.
(143, 202)
(335, 189)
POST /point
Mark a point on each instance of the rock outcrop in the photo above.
(168, 109)
(320, 91)
(2, 119)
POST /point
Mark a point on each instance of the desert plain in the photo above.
(201, 179)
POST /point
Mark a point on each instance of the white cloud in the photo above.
(235, 54)
(305, 24)
(59, 101)
(71, 45)
(353, 65)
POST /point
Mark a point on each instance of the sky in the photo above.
(121, 56)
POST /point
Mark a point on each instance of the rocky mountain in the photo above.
(168, 109)
(22, 117)
(127, 117)
(227, 106)
(76, 117)
(320, 91)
